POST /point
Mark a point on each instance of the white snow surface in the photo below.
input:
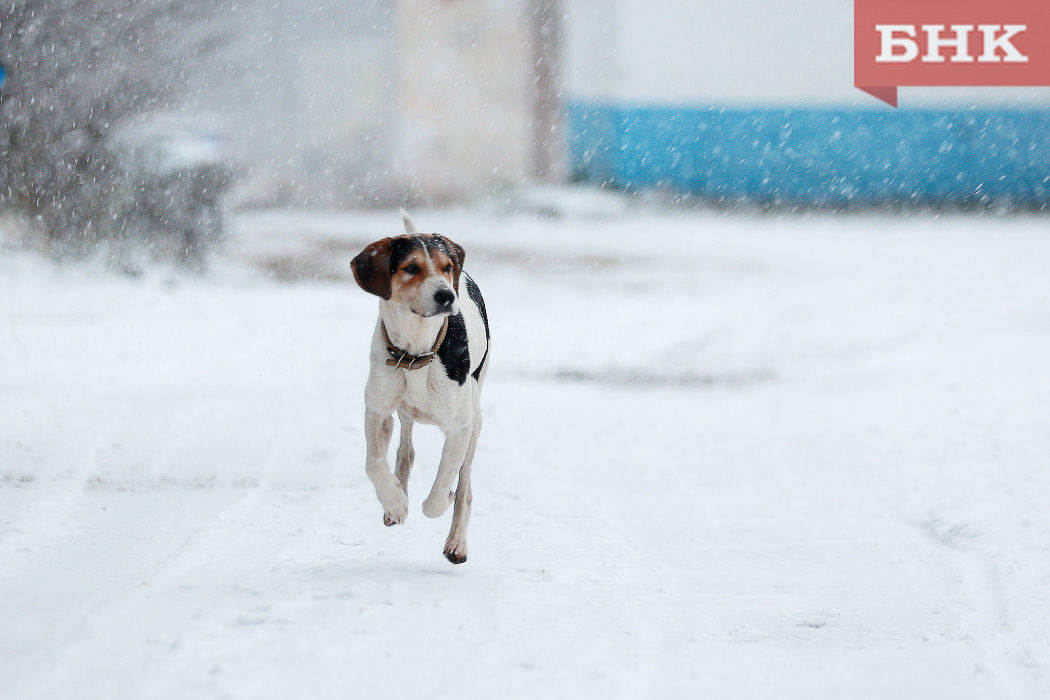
(723, 457)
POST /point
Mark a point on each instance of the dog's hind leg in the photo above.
(406, 454)
(378, 431)
(456, 544)
(457, 442)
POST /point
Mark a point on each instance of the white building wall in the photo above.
(464, 96)
(363, 102)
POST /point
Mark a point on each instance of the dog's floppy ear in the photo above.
(456, 252)
(372, 268)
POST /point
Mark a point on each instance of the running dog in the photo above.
(428, 361)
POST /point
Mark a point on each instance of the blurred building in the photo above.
(359, 102)
(465, 95)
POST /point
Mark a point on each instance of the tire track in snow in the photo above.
(990, 627)
(99, 566)
(203, 535)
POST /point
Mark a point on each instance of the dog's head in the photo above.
(418, 270)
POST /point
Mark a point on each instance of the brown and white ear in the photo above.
(410, 226)
(456, 252)
(372, 268)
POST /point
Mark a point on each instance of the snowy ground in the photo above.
(722, 457)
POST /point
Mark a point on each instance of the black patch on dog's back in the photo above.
(475, 295)
(454, 353)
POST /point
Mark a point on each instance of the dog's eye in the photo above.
(413, 269)
(448, 268)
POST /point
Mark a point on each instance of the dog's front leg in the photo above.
(457, 441)
(378, 430)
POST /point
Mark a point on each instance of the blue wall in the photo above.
(822, 157)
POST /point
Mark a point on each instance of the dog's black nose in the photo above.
(444, 298)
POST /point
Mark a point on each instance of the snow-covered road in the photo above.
(748, 457)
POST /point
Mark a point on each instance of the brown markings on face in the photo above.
(397, 268)
(444, 265)
(408, 276)
(447, 256)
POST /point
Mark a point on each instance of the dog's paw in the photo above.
(396, 517)
(456, 552)
(435, 506)
(395, 507)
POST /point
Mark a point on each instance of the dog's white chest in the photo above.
(421, 399)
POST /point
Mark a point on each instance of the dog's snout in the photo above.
(444, 298)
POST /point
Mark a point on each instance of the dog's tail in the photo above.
(410, 226)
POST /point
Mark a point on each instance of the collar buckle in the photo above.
(402, 360)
